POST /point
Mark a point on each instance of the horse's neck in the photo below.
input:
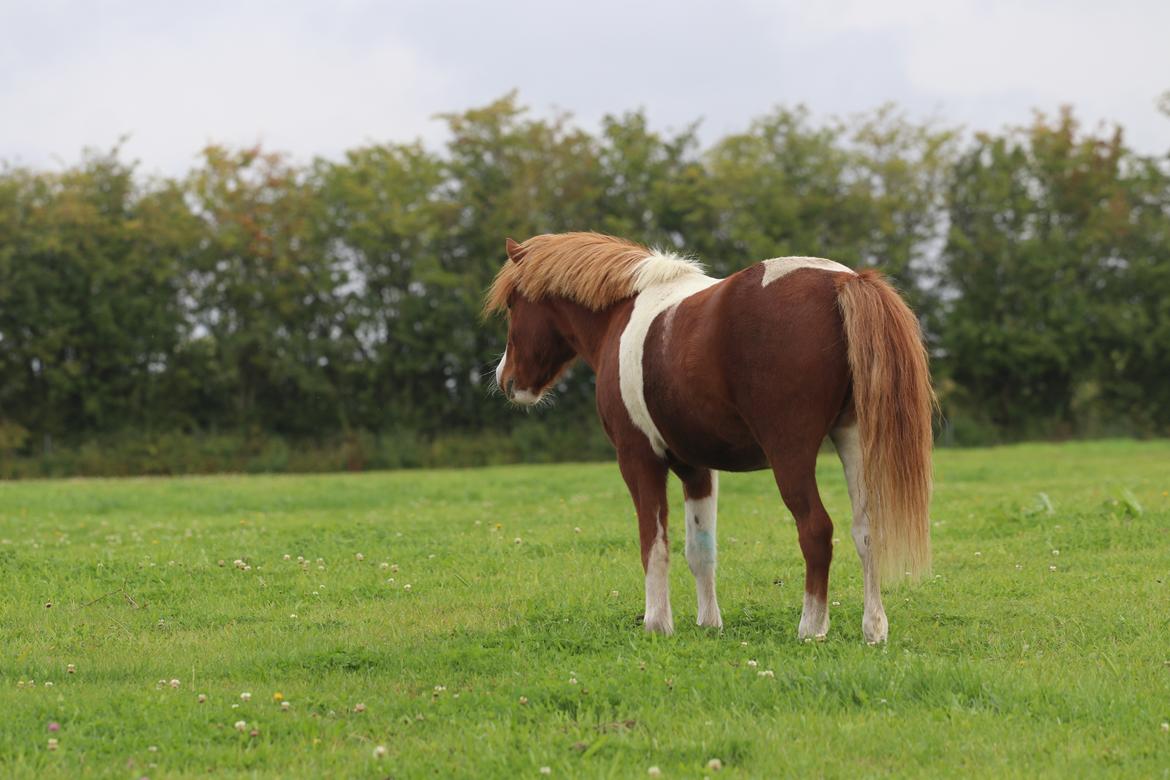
(585, 329)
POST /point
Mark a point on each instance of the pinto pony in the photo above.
(697, 375)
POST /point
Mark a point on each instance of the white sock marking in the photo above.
(658, 615)
(874, 626)
(814, 617)
(701, 515)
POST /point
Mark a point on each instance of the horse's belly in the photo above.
(708, 437)
(721, 456)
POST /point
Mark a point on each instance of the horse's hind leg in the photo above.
(796, 478)
(874, 626)
(701, 490)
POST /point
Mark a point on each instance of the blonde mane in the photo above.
(592, 269)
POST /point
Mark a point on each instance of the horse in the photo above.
(696, 375)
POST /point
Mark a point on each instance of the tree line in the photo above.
(262, 308)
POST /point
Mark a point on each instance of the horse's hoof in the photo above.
(657, 625)
(875, 629)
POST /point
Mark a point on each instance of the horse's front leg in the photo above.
(701, 489)
(646, 478)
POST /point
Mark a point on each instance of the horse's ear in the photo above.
(515, 251)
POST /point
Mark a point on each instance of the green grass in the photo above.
(997, 665)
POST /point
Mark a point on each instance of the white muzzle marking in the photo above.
(521, 397)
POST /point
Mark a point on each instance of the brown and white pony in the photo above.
(697, 375)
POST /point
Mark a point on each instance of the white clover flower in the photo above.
(245, 696)
(241, 725)
(380, 751)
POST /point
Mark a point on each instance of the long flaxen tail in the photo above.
(894, 404)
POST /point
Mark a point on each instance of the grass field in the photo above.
(490, 628)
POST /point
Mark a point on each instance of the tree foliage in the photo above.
(257, 296)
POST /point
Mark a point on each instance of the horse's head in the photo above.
(537, 353)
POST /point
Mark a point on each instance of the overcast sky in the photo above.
(315, 78)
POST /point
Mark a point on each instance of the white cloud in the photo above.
(317, 78)
(997, 60)
(231, 78)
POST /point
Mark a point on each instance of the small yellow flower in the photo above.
(278, 696)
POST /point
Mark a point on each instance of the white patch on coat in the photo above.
(500, 367)
(658, 615)
(874, 626)
(651, 301)
(701, 515)
(779, 267)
